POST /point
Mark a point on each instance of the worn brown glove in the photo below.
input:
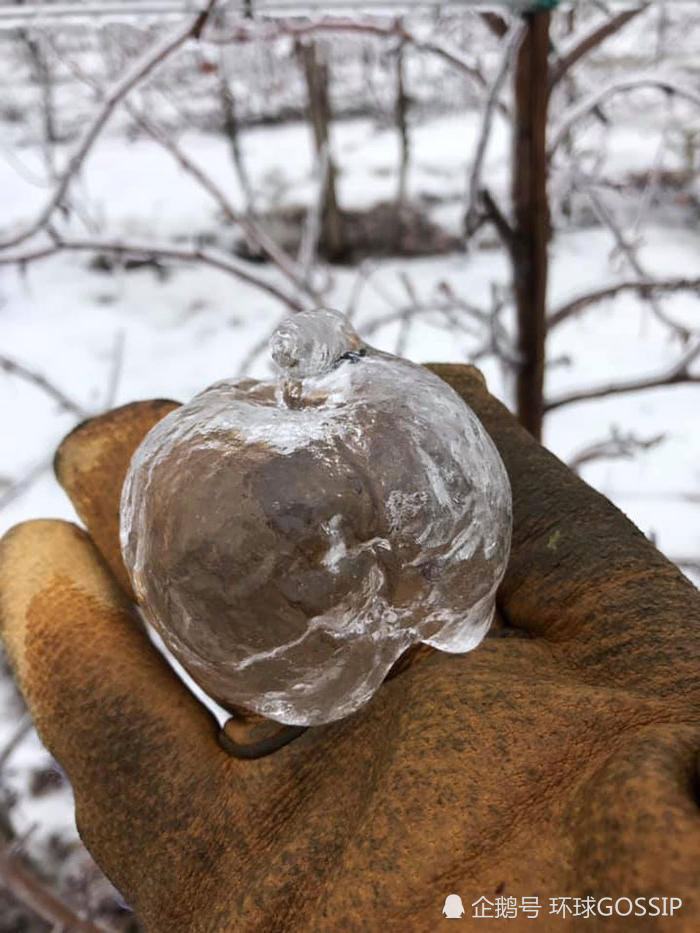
(558, 759)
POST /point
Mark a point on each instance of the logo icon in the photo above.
(454, 908)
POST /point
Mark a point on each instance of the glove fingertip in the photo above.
(91, 463)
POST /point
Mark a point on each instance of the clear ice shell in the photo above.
(289, 540)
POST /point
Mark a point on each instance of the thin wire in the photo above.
(12, 15)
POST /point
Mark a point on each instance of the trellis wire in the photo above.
(37, 12)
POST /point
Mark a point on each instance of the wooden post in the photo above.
(231, 130)
(531, 217)
(316, 74)
(400, 112)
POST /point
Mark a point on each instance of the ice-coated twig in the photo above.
(312, 225)
(629, 251)
(28, 174)
(410, 312)
(498, 343)
(400, 113)
(22, 730)
(231, 122)
(29, 375)
(19, 877)
(444, 302)
(653, 175)
(35, 45)
(582, 45)
(21, 485)
(247, 30)
(481, 315)
(460, 315)
(494, 213)
(687, 563)
(643, 286)
(144, 65)
(495, 22)
(245, 220)
(615, 447)
(511, 44)
(675, 375)
(406, 320)
(115, 370)
(215, 258)
(578, 111)
(366, 268)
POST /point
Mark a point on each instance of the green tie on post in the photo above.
(535, 5)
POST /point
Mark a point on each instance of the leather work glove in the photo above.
(557, 759)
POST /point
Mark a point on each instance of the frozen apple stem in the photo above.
(256, 737)
(248, 735)
(312, 343)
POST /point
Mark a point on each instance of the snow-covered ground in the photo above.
(182, 331)
(192, 325)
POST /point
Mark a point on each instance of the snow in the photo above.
(62, 318)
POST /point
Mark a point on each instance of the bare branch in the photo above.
(365, 270)
(495, 214)
(406, 313)
(496, 23)
(481, 315)
(231, 126)
(29, 375)
(400, 113)
(676, 375)
(454, 57)
(629, 250)
(22, 730)
(312, 224)
(444, 302)
(498, 343)
(35, 45)
(623, 85)
(585, 44)
(511, 44)
(247, 31)
(686, 563)
(406, 319)
(18, 877)
(615, 447)
(644, 287)
(115, 371)
(144, 65)
(245, 221)
(653, 179)
(315, 69)
(21, 485)
(214, 258)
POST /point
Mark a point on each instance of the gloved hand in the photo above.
(557, 759)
